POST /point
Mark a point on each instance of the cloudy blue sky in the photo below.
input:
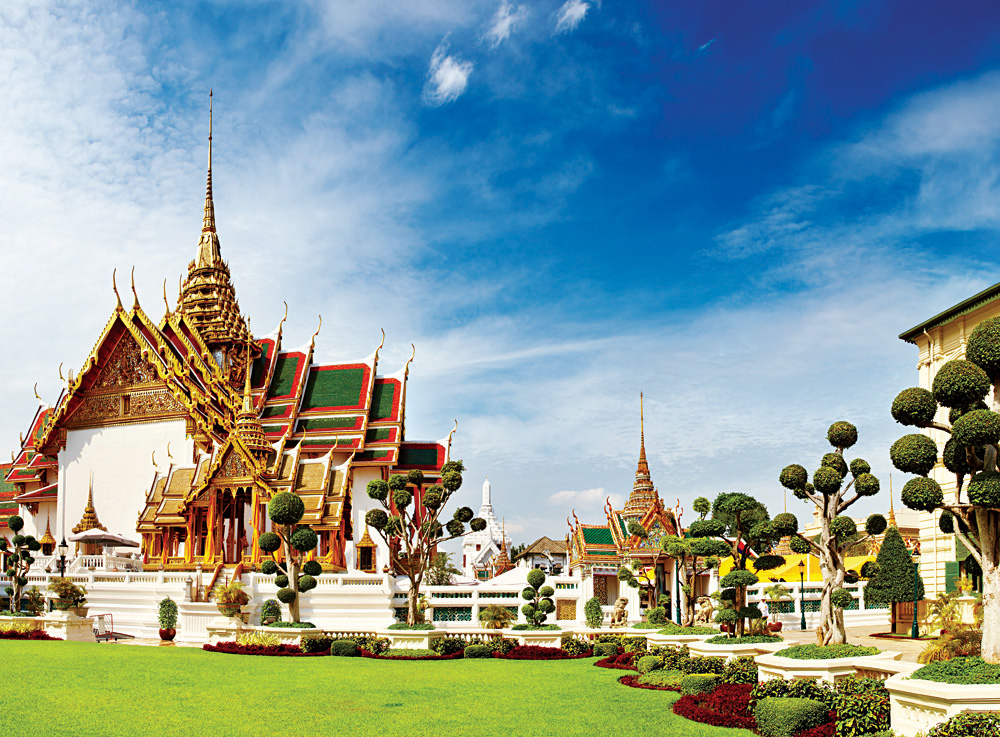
(734, 207)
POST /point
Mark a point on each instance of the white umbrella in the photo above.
(100, 537)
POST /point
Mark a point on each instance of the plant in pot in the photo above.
(230, 598)
(270, 612)
(67, 595)
(496, 617)
(168, 619)
(774, 594)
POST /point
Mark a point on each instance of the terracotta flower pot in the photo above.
(774, 626)
(229, 609)
(62, 604)
(168, 634)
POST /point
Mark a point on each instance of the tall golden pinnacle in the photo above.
(643, 492)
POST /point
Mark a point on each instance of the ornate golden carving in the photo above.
(234, 467)
(126, 367)
(154, 403)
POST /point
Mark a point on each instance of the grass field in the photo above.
(66, 688)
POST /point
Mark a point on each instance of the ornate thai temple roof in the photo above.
(89, 520)
(643, 493)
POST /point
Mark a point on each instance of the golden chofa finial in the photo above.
(154, 461)
(312, 341)
(406, 369)
(63, 378)
(168, 453)
(135, 294)
(114, 285)
(281, 324)
(36, 392)
(165, 302)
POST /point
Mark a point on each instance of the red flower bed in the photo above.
(633, 682)
(823, 730)
(234, 648)
(535, 652)
(29, 635)
(624, 661)
(452, 656)
(732, 700)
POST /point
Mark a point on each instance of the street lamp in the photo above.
(62, 550)
(677, 587)
(802, 594)
(914, 630)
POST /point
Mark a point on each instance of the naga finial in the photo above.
(165, 302)
(63, 378)
(36, 392)
(413, 354)
(282, 323)
(168, 452)
(114, 285)
(135, 294)
(312, 341)
(154, 461)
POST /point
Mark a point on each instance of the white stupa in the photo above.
(478, 548)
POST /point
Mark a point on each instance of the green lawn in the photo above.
(70, 688)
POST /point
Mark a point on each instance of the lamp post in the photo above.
(802, 595)
(677, 588)
(914, 630)
(62, 549)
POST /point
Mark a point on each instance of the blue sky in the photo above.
(734, 207)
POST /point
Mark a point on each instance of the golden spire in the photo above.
(643, 492)
(89, 520)
(892, 512)
(643, 466)
(47, 538)
(209, 252)
(247, 399)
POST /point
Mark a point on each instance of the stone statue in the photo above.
(619, 617)
(705, 610)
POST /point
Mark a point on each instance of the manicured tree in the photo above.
(650, 542)
(838, 532)
(593, 613)
(538, 597)
(413, 535)
(693, 557)
(295, 575)
(742, 523)
(891, 581)
(961, 385)
(19, 560)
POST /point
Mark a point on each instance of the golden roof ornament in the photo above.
(248, 427)
(89, 520)
(47, 538)
(643, 492)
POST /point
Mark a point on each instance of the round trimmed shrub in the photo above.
(268, 567)
(914, 406)
(452, 481)
(281, 580)
(648, 663)
(842, 434)
(923, 494)
(960, 383)
(377, 490)
(978, 427)
(860, 466)
(699, 683)
(983, 347)
(786, 716)
(285, 595)
(397, 482)
(304, 539)
(914, 453)
(843, 526)
(528, 593)
(433, 497)
(984, 490)
(536, 578)
(875, 524)
(312, 568)
(344, 648)
(738, 577)
(799, 546)
(478, 651)
(285, 508)
(768, 562)
(605, 649)
(793, 476)
(836, 462)
(376, 519)
(750, 612)
(954, 457)
(402, 497)
(841, 598)
(269, 542)
(478, 524)
(866, 484)
(307, 583)
(785, 523)
(827, 480)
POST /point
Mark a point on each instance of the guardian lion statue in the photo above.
(705, 610)
(619, 617)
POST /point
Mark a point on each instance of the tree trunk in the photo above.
(292, 571)
(831, 561)
(989, 540)
(413, 615)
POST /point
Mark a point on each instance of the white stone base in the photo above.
(736, 650)
(660, 640)
(411, 639)
(68, 626)
(536, 638)
(821, 669)
(916, 705)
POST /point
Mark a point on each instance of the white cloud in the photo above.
(704, 47)
(571, 14)
(587, 499)
(447, 77)
(503, 23)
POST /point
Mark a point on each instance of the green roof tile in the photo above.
(598, 536)
(334, 388)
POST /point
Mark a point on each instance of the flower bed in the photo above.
(405, 626)
(971, 670)
(633, 682)
(534, 652)
(745, 640)
(826, 652)
(451, 656)
(726, 706)
(26, 635)
(234, 648)
(622, 661)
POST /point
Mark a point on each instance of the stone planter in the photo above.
(537, 638)
(660, 640)
(821, 669)
(62, 605)
(916, 705)
(67, 626)
(411, 639)
(730, 652)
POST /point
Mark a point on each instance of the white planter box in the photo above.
(917, 705)
(537, 638)
(68, 626)
(736, 650)
(660, 640)
(821, 669)
(411, 639)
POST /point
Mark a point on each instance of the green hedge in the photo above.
(294, 625)
(315, 643)
(478, 651)
(662, 678)
(648, 663)
(699, 683)
(676, 629)
(969, 724)
(861, 704)
(405, 626)
(745, 640)
(523, 627)
(605, 649)
(960, 670)
(826, 652)
(784, 716)
(344, 648)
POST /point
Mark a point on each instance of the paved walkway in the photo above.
(862, 636)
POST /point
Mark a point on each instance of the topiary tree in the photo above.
(295, 575)
(19, 560)
(593, 613)
(693, 557)
(539, 598)
(742, 522)
(838, 533)
(891, 579)
(413, 534)
(961, 386)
